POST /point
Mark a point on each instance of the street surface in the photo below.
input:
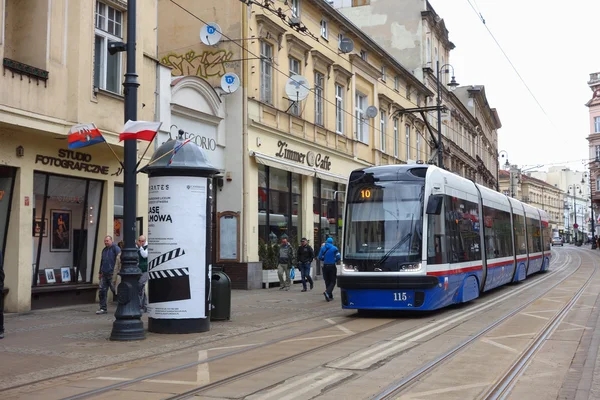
(536, 339)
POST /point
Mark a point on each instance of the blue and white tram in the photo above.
(417, 237)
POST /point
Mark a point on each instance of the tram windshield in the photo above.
(384, 223)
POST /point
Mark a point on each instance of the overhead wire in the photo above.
(480, 16)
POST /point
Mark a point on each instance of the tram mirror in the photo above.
(434, 205)
(332, 209)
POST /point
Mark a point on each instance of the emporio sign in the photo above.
(310, 158)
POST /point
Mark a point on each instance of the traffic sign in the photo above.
(575, 226)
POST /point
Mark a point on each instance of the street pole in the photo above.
(439, 116)
(574, 216)
(128, 324)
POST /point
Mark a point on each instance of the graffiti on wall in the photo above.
(205, 64)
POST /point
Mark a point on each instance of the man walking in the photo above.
(107, 266)
(305, 256)
(142, 248)
(286, 258)
(329, 254)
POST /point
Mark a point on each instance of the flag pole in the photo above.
(141, 158)
(164, 155)
(117, 157)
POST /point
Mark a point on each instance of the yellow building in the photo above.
(56, 205)
(296, 154)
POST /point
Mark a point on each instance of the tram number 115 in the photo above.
(402, 296)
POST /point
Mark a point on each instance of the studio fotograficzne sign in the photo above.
(309, 158)
(75, 160)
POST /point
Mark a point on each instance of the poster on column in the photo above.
(177, 247)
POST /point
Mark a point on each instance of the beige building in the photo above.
(594, 146)
(536, 192)
(56, 205)
(296, 156)
(417, 36)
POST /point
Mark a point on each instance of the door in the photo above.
(79, 255)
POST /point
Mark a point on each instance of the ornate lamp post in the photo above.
(575, 226)
(453, 84)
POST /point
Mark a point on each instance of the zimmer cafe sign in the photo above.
(310, 158)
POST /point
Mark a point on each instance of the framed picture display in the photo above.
(228, 233)
(39, 228)
(50, 278)
(61, 231)
(65, 273)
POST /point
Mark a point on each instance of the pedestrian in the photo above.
(285, 262)
(1, 296)
(305, 255)
(142, 247)
(329, 254)
(116, 277)
(107, 268)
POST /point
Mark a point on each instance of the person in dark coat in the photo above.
(305, 255)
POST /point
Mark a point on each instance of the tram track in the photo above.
(502, 386)
(561, 264)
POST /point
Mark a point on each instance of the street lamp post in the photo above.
(128, 324)
(574, 187)
(594, 245)
(453, 84)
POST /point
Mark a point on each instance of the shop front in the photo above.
(301, 189)
(56, 207)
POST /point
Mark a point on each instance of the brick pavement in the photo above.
(48, 343)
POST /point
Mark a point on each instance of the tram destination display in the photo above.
(176, 249)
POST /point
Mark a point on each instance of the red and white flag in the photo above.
(140, 130)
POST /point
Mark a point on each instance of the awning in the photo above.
(281, 164)
(297, 168)
(328, 176)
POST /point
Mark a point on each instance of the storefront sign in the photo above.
(69, 159)
(310, 158)
(204, 142)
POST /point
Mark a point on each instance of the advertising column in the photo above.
(179, 238)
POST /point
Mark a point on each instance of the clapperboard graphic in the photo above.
(168, 284)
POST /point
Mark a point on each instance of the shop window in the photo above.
(66, 213)
(279, 205)
(328, 209)
(119, 204)
(7, 181)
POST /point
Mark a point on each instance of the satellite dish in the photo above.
(297, 88)
(210, 34)
(371, 112)
(230, 82)
(346, 45)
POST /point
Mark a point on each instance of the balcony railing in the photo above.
(20, 68)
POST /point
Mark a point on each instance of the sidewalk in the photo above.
(48, 343)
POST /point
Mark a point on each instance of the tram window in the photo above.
(463, 224)
(520, 238)
(534, 236)
(498, 237)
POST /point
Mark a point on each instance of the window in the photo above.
(428, 51)
(382, 125)
(319, 79)
(418, 145)
(362, 126)
(266, 72)
(396, 137)
(397, 83)
(107, 68)
(497, 233)
(597, 124)
(598, 184)
(597, 152)
(295, 7)
(340, 38)
(324, 29)
(339, 109)
(383, 73)
(363, 55)
(407, 127)
(7, 180)
(358, 3)
(294, 70)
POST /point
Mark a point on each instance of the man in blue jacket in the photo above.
(329, 254)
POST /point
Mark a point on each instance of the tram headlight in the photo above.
(410, 267)
(349, 268)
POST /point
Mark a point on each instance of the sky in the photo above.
(554, 47)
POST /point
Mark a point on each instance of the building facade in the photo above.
(295, 154)
(417, 36)
(56, 204)
(594, 145)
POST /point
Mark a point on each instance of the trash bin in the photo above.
(220, 298)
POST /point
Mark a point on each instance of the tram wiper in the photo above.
(396, 246)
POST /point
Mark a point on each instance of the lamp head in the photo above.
(453, 84)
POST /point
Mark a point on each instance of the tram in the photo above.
(418, 237)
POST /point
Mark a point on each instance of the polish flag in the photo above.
(140, 130)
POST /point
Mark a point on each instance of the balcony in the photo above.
(22, 69)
